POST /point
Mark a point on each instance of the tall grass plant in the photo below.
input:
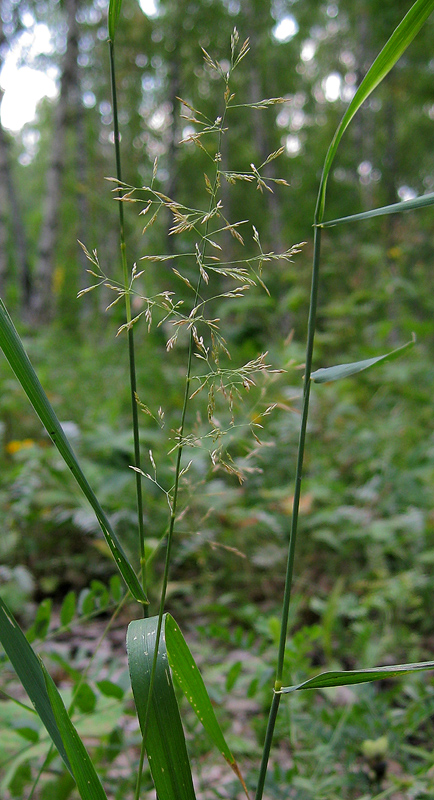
(157, 650)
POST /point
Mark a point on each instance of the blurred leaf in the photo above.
(42, 621)
(85, 698)
(110, 689)
(27, 732)
(328, 374)
(67, 609)
(327, 679)
(232, 676)
(116, 588)
(22, 776)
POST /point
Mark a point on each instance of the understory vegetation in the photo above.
(199, 326)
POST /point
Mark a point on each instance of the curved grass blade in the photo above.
(328, 374)
(327, 679)
(402, 36)
(113, 17)
(13, 349)
(29, 670)
(165, 740)
(395, 208)
(188, 677)
(83, 771)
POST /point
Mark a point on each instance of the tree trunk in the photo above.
(42, 301)
(3, 214)
(11, 221)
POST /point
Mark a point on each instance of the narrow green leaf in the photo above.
(328, 374)
(165, 740)
(13, 349)
(328, 679)
(29, 670)
(187, 674)
(395, 208)
(88, 783)
(113, 17)
(402, 36)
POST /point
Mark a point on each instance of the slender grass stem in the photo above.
(295, 512)
(177, 473)
(131, 351)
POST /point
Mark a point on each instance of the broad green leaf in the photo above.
(13, 349)
(187, 675)
(28, 733)
(88, 783)
(327, 679)
(113, 17)
(85, 698)
(39, 629)
(402, 36)
(110, 689)
(395, 208)
(29, 670)
(164, 735)
(327, 374)
(68, 608)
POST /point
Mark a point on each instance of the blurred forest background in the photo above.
(364, 579)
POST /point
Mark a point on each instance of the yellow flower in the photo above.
(15, 445)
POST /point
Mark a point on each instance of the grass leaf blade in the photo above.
(165, 740)
(187, 674)
(88, 783)
(13, 349)
(29, 670)
(395, 208)
(328, 374)
(348, 678)
(113, 17)
(400, 39)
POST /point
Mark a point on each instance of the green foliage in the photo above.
(365, 510)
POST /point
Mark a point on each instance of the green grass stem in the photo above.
(178, 469)
(131, 350)
(295, 511)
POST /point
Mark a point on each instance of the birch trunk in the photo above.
(12, 234)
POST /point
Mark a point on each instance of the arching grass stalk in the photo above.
(130, 333)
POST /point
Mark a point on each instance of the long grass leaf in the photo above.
(86, 778)
(328, 374)
(402, 36)
(29, 670)
(188, 677)
(327, 679)
(113, 17)
(13, 349)
(165, 740)
(395, 208)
